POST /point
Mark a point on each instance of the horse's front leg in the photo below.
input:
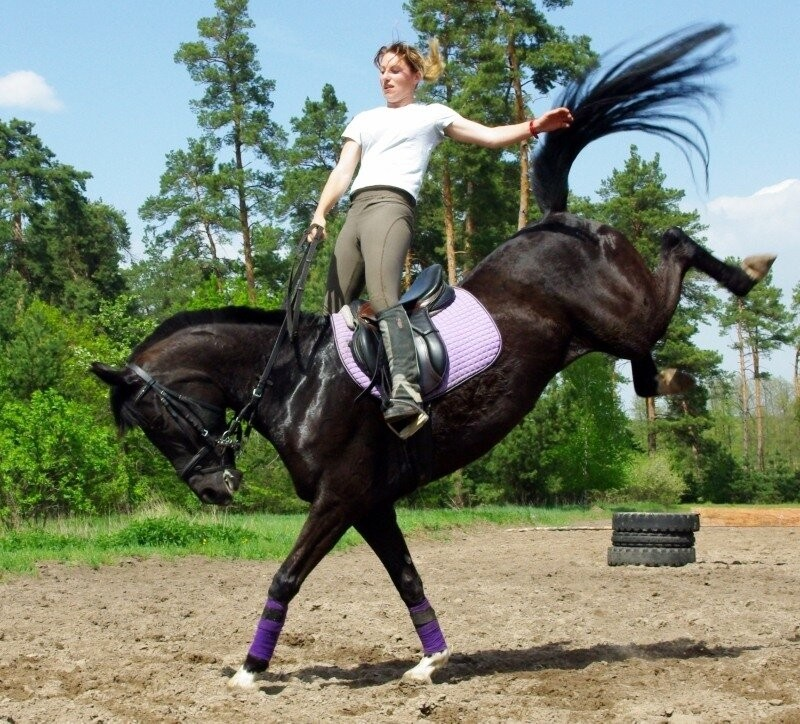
(380, 530)
(324, 526)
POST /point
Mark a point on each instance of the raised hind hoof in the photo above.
(421, 673)
(758, 266)
(242, 679)
(673, 382)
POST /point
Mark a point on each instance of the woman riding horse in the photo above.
(562, 287)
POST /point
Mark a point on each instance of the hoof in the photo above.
(242, 679)
(757, 267)
(421, 673)
(673, 382)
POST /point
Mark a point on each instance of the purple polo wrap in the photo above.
(267, 633)
(430, 635)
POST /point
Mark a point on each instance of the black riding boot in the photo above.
(403, 413)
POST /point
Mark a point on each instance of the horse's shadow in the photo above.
(557, 655)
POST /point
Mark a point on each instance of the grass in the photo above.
(165, 532)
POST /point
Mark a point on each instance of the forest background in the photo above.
(220, 227)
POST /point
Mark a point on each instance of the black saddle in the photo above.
(428, 294)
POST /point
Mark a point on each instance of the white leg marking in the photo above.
(242, 680)
(421, 673)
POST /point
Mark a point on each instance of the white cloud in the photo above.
(26, 89)
(766, 221)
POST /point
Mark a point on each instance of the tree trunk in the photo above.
(212, 247)
(449, 222)
(744, 394)
(519, 111)
(469, 231)
(244, 223)
(650, 406)
(759, 403)
(458, 499)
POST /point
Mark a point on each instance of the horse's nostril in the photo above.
(211, 496)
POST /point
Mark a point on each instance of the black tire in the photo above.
(628, 556)
(656, 522)
(641, 539)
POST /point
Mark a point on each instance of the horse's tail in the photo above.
(652, 90)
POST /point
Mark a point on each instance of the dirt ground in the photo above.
(541, 628)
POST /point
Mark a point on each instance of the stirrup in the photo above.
(404, 417)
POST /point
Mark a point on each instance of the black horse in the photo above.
(560, 288)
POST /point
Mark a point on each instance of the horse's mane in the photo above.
(198, 317)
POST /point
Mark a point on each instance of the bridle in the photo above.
(190, 413)
(197, 416)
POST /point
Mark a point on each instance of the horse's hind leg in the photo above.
(649, 382)
(737, 280)
(384, 536)
(679, 252)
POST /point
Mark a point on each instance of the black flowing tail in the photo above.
(654, 89)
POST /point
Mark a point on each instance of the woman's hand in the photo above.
(316, 230)
(553, 120)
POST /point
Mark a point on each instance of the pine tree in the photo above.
(66, 248)
(494, 52)
(191, 212)
(235, 107)
(763, 324)
(317, 134)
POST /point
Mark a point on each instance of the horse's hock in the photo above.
(653, 539)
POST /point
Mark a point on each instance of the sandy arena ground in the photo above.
(541, 628)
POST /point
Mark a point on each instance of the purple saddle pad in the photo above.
(472, 339)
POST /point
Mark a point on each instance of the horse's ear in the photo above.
(109, 375)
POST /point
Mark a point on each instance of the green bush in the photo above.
(651, 478)
(176, 531)
(54, 460)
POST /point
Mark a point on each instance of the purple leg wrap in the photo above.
(269, 628)
(424, 619)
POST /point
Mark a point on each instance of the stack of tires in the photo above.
(653, 539)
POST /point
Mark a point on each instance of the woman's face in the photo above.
(398, 80)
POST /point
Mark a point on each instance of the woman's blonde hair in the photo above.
(431, 65)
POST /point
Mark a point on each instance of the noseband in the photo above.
(189, 412)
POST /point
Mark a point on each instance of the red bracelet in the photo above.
(532, 129)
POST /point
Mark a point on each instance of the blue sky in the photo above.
(98, 80)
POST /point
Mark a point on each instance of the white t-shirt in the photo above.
(396, 143)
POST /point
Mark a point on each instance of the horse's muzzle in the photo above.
(217, 488)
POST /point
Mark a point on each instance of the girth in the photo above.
(427, 295)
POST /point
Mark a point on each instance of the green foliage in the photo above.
(575, 441)
(234, 109)
(652, 478)
(54, 460)
(36, 351)
(176, 531)
(164, 532)
(37, 538)
(266, 486)
(65, 248)
(311, 157)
